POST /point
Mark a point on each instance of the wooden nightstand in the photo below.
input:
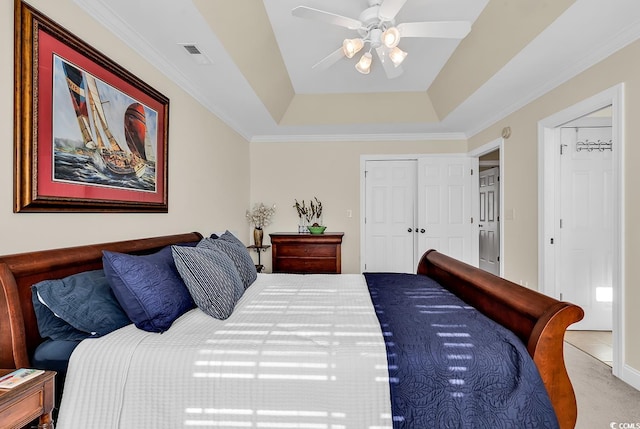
(31, 400)
(306, 253)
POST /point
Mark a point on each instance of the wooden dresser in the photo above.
(292, 252)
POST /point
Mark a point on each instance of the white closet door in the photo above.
(445, 207)
(390, 192)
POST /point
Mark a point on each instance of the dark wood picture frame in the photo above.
(89, 136)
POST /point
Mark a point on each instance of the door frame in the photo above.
(548, 140)
(497, 144)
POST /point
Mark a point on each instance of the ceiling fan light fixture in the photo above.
(397, 56)
(364, 65)
(391, 37)
(350, 47)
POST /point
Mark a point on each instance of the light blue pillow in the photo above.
(211, 277)
(77, 306)
(148, 287)
(238, 253)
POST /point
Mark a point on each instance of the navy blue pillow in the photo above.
(50, 325)
(148, 287)
(84, 301)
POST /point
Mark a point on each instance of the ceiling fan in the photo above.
(377, 28)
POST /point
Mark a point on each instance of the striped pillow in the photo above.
(211, 277)
(238, 253)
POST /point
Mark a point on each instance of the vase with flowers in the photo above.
(310, 216)
(260, 216)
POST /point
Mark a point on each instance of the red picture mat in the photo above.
(46, 186)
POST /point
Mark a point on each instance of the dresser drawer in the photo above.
(315, 250)
(306, 265)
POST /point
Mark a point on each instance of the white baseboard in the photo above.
(631, 376)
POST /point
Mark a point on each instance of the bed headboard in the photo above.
(538, 320)
(19, 334)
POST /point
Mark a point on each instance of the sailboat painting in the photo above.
(101, 136)
(89, 135)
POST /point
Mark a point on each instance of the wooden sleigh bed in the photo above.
(537, 320)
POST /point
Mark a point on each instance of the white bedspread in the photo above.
(299, 351)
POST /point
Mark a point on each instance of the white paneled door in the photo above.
(444, 206)
(585, 226)
(415, 205)
(488, 221)
(390, 192)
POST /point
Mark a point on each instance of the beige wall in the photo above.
(208, 162)
(283, 172)
(521, 191)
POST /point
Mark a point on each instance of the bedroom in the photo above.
(198, 203)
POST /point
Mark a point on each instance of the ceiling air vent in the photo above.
(195, 53)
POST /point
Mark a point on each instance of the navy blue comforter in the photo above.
(449, 365)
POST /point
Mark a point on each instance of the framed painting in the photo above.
(89, 135)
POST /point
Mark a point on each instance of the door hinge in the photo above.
(472, 219)
(560, 223)
(472, 171)
(498, 259)
(560, 296)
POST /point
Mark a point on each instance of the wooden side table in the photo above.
(259, 249)
(33, 399)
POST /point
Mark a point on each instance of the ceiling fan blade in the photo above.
(439, 29)
(390, 69)
(389, 9)
(329, 60)
(328, 17)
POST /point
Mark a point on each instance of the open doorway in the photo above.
(581, 209)
(489, 212)
(490, 163)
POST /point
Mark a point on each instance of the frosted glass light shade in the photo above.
(364, 65)
(397, 56)
(350, 47)
(391, 37)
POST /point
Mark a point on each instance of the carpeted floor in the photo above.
(602, 398)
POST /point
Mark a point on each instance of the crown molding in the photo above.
(357, 137)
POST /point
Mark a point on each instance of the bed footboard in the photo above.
(538, 320)
(19, 334)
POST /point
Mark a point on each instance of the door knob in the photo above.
(409, 230)
(423, 230)
(480, 225)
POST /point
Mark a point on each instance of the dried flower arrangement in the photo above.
(261, 215)
(310, 214)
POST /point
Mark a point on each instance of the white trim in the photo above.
(358, 137)
(631, 376)
(547, 133)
